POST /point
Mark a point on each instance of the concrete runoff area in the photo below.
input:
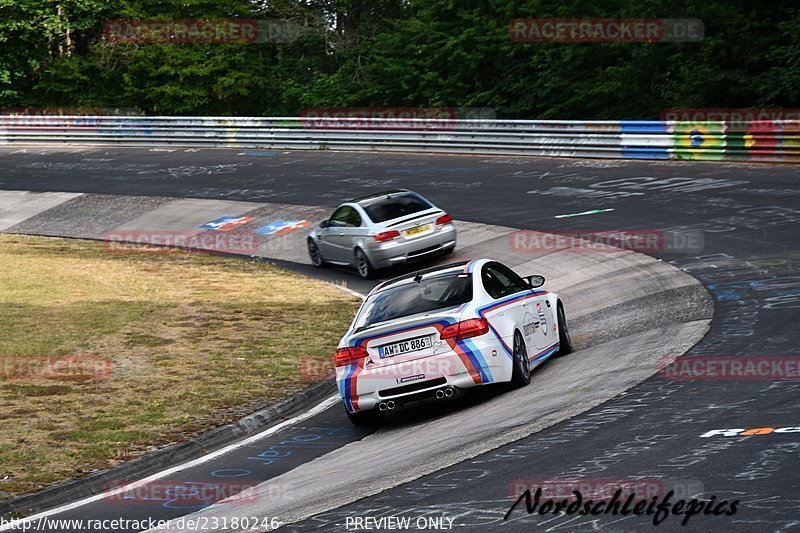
(18, 206)
(85, 216)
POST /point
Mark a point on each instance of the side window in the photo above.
(492, 283)
(353, 218)
(339, 216)
(500, 281)
(345, 216)
(512, 280)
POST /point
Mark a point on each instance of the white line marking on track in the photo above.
(325, 404)
(349, 291)
(590, 212)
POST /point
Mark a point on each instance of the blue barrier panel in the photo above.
(644, 126)
(645, 153)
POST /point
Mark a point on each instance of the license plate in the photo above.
(417, 230)
(407, 346)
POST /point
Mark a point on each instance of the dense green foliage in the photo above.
(409, 53)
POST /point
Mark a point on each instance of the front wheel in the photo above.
(365, 418)
(521, 373)
(565, 342)
(315, 254)
(364, 267)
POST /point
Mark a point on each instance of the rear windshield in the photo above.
(383, 209)
(437, 292)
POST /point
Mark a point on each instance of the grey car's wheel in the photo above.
(521, 374)
(565, 342)
(363, 265)
(365, 418)
(315, 254)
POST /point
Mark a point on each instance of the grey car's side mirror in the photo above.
(324, 224)
(535, 281)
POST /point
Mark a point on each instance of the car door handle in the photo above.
(341, 235)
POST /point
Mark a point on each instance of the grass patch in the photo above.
(192, 341)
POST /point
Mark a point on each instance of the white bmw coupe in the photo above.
(432, 334)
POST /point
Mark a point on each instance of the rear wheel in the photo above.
(521, 374)
(565, 342)
(363, 265)
(365, 418)
(315, 254)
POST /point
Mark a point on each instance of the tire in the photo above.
(363, 266)
(565, 342)
(521, 373)
(365, 418)
(315, 254)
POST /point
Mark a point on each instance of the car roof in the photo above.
(422, 272)
(377, 195)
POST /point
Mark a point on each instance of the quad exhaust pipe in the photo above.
(389, 405)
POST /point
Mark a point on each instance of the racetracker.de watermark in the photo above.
(402, 372)
(55, 367)
(744, 117)
(191, 494)
(164, 241)
(391, 117)
(605, 488)
(731, 368)
(605, 30)
(648, 241)
(200, 31)
(62, 116)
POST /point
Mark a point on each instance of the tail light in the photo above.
(474, 327)
(348, 356)
(387, 236)
(444, 219)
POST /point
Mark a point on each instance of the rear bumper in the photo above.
(387, 254)
(474, 362)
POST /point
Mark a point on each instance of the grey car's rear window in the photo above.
(396, 206)
(406, 299)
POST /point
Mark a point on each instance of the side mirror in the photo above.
(535, 281)
(325, 224)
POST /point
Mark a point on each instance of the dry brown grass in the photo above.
(194, 341)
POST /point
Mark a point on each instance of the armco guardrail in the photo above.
(753, 141)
